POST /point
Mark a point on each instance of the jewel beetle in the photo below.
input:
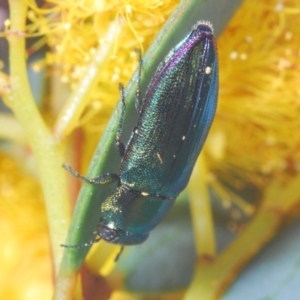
(175, 116)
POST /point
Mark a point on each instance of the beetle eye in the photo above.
(107, 233)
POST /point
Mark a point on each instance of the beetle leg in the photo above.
(118, 255)
(118, 143)
(102, 179)
(138, 100)
(138, 103)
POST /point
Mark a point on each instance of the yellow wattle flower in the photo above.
(255, 129)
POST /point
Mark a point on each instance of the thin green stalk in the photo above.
(49, 155)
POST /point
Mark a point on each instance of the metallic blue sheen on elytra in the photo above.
(175, 116)
(174, 119)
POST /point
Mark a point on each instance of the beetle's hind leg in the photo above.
(118, 255)
(101, 179)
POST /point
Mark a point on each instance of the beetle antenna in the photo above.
(82, 245)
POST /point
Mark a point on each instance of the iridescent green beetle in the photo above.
(174, 119)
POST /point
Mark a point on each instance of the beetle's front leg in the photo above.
(102, 179)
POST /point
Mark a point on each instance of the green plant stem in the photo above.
(49, 155)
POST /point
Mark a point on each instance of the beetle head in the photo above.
(109, 232)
